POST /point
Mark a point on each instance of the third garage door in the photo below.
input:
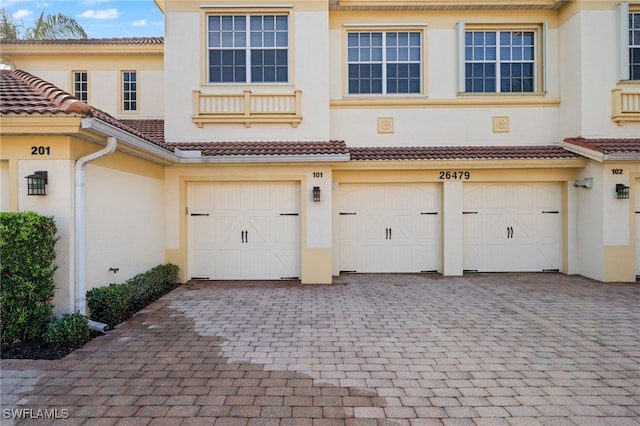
(512, 227)
(389, 227)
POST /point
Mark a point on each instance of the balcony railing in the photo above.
(247, 108)
(626, 104)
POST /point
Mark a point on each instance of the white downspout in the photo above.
(81, 287)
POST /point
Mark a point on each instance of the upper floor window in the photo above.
(499, 61)
(248, 48)
(384, 62)
(129, 91)
(634, 46)
(80, 85)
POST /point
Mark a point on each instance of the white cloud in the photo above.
(140, 23)
(43, 5)
(100, 14)
(22, 13)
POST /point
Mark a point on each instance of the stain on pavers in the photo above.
(398, 349)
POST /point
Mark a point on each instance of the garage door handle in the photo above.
(245, 236)
(509, 231)
(386, 233)
(199, 214)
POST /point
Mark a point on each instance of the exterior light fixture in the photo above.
(622, 191)
(316, 194)
(37, 183)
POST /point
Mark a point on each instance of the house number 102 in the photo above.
(317, 174)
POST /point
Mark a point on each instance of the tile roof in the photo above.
(119, 41)
(461, 153)
(23, 93)
(607, 146)
(263, 148)
(149, 129)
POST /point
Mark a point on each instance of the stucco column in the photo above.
(452, 228)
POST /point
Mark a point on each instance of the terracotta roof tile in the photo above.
(608, 146)
(151, 129)
(23, 93)
(460, 153)
(263, 148)
(120, 41)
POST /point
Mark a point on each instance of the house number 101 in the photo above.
(317, 174)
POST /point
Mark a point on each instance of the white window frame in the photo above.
(384, 61)
(539, 61)
(80, 93)
(248, 48)
(129, 105)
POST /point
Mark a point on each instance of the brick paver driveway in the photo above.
(397, 349)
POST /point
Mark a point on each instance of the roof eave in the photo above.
(278, 158)
(585, 152)
(153, 152)
(622, 156)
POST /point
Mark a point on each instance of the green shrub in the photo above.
(117, 302)
(70, 330)
(27, 244)
(109, 305)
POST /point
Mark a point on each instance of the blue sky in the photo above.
(99, 18)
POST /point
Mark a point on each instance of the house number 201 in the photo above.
(317, 174)
(40, 150)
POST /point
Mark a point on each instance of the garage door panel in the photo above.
(250, 230)
(548, 227)
(637, 219)
(202, 195)
(400, 258)
(524, 226)
(229, 198)
(202, 263)
(516, 227)
(228, 264)
(429, 257)
(227, 230)
(373, 259)
(382, 227)
(203, 232)
(284, 263)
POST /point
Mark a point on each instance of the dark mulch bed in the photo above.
(36, 349)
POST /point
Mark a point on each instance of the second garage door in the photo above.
(512, 227)
(389, 227)
(244, 230)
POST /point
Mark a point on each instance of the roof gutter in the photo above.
(301, 158)
(621, 157)
(127, 139)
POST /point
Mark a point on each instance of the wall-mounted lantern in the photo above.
(37, 183)
(622, 191)
(316, 194)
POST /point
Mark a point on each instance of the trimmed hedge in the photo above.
(115, 303)
(27, 244)
(70, 330)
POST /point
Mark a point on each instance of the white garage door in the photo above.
(244, 230)
(512, 227)
(389, 228)
(637, 212)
